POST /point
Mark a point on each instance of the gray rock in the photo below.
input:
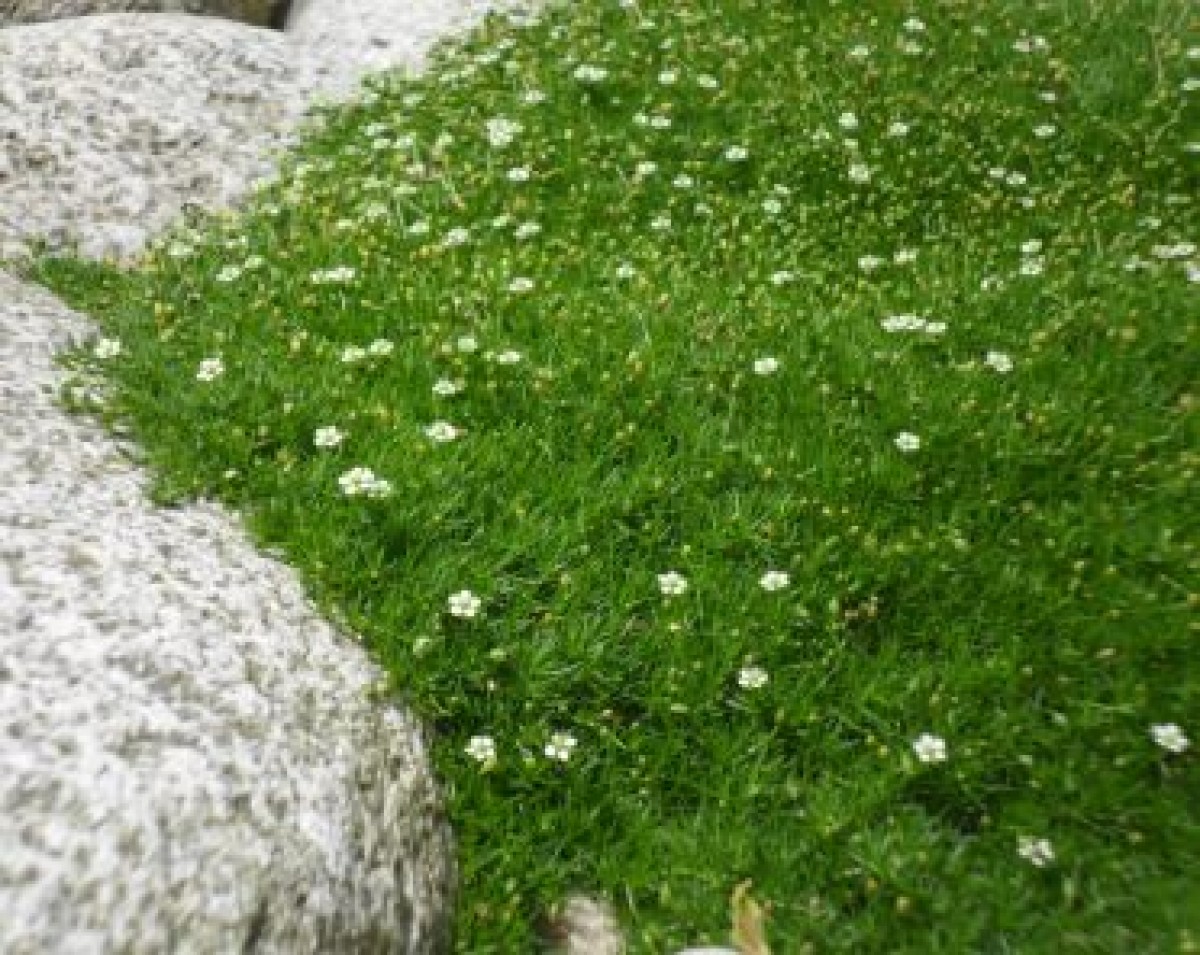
(259, 13)
(189, 758)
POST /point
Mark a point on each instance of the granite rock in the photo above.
(259, 13)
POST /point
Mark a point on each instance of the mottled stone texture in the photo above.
(259, 13)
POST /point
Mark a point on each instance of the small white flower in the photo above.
(560, 746)
(519, 174)
(683, 181)
(672, 583)
(998, 361)
(1180, 250)
(859, 52)
(1016, 178)
(1045, 130)
(210, 369)
(774, 580)
(1170, 737)
(328, 437)
(420, 227)
(625, 271)
(1191, 84)
(1031, 247)
(859, 172)
(586, 73)
(707, 82)
(930, 748)
(1033, 266)
(1048, 96)
(508, 357)
(527, 230)
(772, 207)
(752, 678)
(352, 354)
(106, 348)
(381, 347)
(645, 168)
(533, 97)
(456, 236)
(913, 25)
(442, 431)
(231, 273)
(905, 256)
(482, 749)
(897, 129)
(668, 77)
(501, 131)
(907, 442)
(660, 223)
(338, 274)
(869, 263)
(782, 277)
(464, 604)
(737, 153)
(179, 250)
(467, 343)
(520, 285)
(766, 366)
(848, 121)
(1038, 851)
(444, 387)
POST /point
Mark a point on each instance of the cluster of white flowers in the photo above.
(774, 580)
(999, 362)
(912, 323)
(561, 746)
(442, 431)
(328, 437)
(1039, 852)
(363, 481)
(106, 348)
(907, 442)
(930, 748)
(501, 131)
(587, 73)
(464, 604)
(210, 369)
(752, 678)
(766, 366)
(672, 583)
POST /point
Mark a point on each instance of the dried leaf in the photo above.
(749, 934)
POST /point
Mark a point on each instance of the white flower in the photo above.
(668, 77)
(912, 323)
(766, 366)
(859, 172)
(1044, 131)
(520, 285)
(913, 25)
(328, 437)
(660, 223)
(106, 348)
(464, 604)
(587, 73)
(444, 387)
(508, 357)
(381, 346)
(907, 442)
(441, 431)
(929, 748)
(341, 273)
(482, 749)
(179, 250)
(1034, 266)
(363, 481)
(1037, 851)
(774, 580)
(533, 97)
(782, 277)
(501, 131)
(869, 263)
(1180, 250)
(466, 343)
(456, 236)
(519, 174)
(645, 168)
(672, 583)
(897, 129)
(1169, 736)
(352, 354)
(848, 121)
(1016, 178)
(998, 361)
(1191, 84)
(737, 153)
(772, 207)
(420, 227)
(707, 82)
(560, 746)
(683, 181)
(859, 52)
(752, 678)
(1031, 247)
(905, 256)
(625, 271)
(526, 230)
(231, 273)
(209, 369)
